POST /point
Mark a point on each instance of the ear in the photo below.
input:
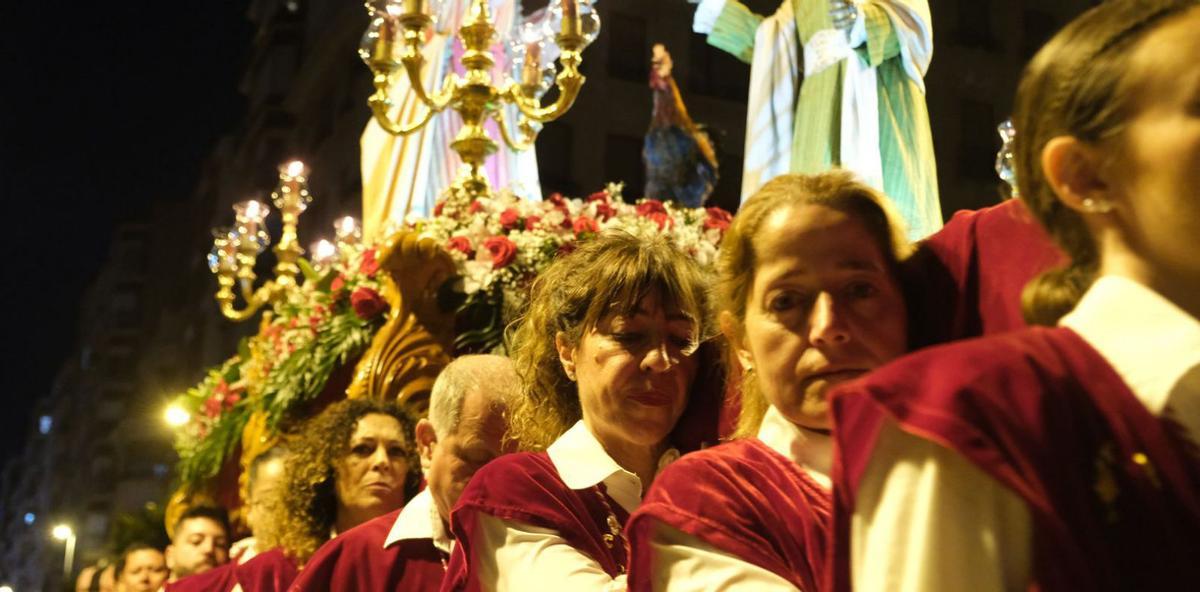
(169, 556)
(566, 354)
(731, 329)
(426, 441)
(1074, 172)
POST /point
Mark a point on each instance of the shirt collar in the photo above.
(812, 451)
(582, 463)
(420, 520)
(1153, 345)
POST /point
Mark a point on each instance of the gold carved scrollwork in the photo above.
(416, 342)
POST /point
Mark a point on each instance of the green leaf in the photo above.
(306, 268)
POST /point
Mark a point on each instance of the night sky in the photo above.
(104, 108)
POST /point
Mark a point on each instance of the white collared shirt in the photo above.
(927, 519)
(535, 558)
(685, 563)
(420, 520)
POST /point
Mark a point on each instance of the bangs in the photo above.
(630, 275)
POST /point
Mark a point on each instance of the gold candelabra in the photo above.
(235, 250)
(476, 95)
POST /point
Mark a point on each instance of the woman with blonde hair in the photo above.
(607, 359)
(809, 297)
(1060, 457)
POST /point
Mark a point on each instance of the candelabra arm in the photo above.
(528, 135)
(569, 82)
(254, 301)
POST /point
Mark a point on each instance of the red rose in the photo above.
(437, 208)
(556, 198)
(461, 244)
(510, 218)
(475, 207)
(337, 284)
(718, 218)
(605, 211)
(231, 399)
(532, 222)
(313, 321)
(600, 196)
(663, 219)
(212, 407)
(566, 248)
(585, 225)
(503, 251)
(367, 303)
(369, 265)
(651, 206)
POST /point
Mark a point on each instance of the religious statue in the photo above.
(836, 83)
(681, 165)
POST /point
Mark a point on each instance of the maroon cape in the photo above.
(745, 499)
(270, 571)
(966, 279)
(357, 560)
(1114, 497)
(219, 579)
(525, 487)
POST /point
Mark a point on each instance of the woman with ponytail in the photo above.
(1060, 457)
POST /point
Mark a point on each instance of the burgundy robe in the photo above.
(218, 579)
(1113, 496)
(742, 498)
(357, 560)
(525, 487)
(270, 571)
(966, 279)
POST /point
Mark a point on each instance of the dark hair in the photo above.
(130, 550)
(1076, 86)
(738, 259)
(611, 272)
(307, 507)
(214, 513)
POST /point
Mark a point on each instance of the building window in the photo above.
(714, 73)
(623, 162)
(627, 58)
(45, 423)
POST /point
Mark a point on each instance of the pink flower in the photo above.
(461, 244)
(367, 303)
(651, 206)
(718, 218)
(503, 251)
(369, 265)
(584, 225)
(510, 219)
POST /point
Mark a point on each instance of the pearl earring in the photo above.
(1094, 206)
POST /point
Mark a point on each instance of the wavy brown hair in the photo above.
(302, 516)
(1078, 85)
(738, 260)
(609, 273)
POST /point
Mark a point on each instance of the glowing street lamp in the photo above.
(6, 588)
(176, 416)
(64, 533)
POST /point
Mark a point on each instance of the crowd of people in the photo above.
(1011, 403)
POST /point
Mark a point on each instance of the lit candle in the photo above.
(346, 229)
(323, 252)
(570, 21)
(531, 69)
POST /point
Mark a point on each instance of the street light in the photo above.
(6, 588)
(64, 533)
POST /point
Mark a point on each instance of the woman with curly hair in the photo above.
(606, 355)
(354, 461)
(1060, 457)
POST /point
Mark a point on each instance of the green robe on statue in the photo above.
(891, 45)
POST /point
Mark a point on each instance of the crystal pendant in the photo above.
(370, 44)
(1005, 166)
(589, 22)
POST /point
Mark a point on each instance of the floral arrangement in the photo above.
(327, 321)
(501, 243)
